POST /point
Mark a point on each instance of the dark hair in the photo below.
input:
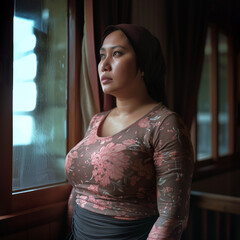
(149, 56)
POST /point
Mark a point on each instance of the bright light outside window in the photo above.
(39, 93)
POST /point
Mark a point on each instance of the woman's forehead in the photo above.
(115, 38)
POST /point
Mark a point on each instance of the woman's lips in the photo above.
(105, 80)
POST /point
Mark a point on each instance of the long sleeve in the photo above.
(173, 159)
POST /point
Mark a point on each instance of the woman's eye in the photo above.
(116, 53)
(101, 55)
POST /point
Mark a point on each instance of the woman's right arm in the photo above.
(174, 163)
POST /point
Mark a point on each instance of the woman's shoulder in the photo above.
(168, 118)
(161, 112)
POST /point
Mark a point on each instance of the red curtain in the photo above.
(183, 36)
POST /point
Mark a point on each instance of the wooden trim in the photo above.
(214, 91)
(212, 167)
(40, 197)
(6, 76)
(216, 202)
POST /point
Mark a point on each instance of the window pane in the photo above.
(204, 144)
(223, 119)
(39, 92)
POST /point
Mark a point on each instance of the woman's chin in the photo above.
(107, 90)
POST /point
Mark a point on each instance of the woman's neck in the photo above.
(132, 105)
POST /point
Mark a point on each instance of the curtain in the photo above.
(89, 87)
(88, 104)
(226, 15)
(181, 27)
(185, 34)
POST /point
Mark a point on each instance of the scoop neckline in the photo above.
(134, 123)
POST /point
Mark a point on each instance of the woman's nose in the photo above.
(106, 66)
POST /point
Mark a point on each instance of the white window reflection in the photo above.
(25, 68)
(24, 97)
(24, 87)
(23, 27)
(22, 126)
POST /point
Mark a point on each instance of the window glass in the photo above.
(39, 92)
(223, 119)
(204, 144)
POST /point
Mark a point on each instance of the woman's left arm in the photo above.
(173, 159)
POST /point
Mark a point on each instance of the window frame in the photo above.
(216, 163)
(41, 198)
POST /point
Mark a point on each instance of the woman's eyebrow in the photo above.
(113, 47)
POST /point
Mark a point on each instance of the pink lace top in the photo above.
(141, 171)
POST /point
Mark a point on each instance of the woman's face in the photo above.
(117, 68)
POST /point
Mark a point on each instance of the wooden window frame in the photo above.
(24, 209)
(216, 163)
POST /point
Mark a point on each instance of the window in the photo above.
(39, 93)
(38, 126)
(215, 99)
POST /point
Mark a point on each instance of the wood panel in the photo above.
(25, 220)
(52, 231)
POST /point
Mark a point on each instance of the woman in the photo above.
(131, 174)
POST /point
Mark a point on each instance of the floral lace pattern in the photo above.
(143, 170)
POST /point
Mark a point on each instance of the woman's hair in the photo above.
(149, 56)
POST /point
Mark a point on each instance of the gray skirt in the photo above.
(87, 225)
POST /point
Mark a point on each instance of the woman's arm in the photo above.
(173, 159)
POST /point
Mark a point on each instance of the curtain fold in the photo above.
(88, 103)
(90, 51)
(88, 80)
